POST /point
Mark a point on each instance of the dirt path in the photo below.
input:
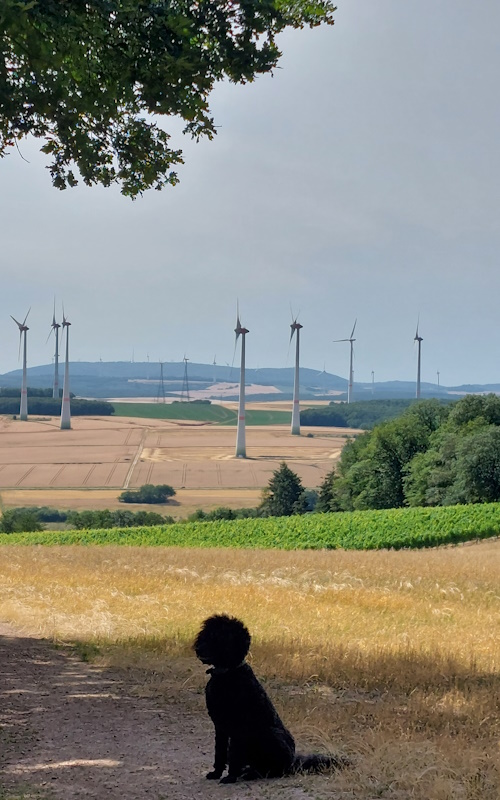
(70, 730)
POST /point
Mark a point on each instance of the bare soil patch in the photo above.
(71, 730)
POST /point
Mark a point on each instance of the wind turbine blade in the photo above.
(354, 328)
(26, 317)
(50, 334)
(234, 355)
(19, 324)
(341, 340)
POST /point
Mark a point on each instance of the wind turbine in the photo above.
(240, 431)
(323, 375)
(66, 404)
(23, 328)
(215, 370)
(351, 339)
(160, 397)
(54, 329)
(295, 429)
(419, 341)
(185, 382)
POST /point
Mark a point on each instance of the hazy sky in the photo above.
(362, 180)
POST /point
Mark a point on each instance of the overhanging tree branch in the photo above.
(88, 76)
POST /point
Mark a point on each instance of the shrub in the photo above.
(148, 493)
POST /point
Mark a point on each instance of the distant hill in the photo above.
(142, 379)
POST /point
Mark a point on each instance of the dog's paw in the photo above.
(228, 779)
(214, 775)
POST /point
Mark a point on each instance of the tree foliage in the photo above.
(361, 414)
(19, 520)
(50, 406)
(284, 495)
(430, 455)
(148, 493)
(89, 77)
(104, 519)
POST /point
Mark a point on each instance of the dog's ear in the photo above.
(222, 641)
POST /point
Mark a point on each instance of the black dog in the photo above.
(250, 737)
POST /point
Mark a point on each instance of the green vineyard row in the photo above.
(358, 530)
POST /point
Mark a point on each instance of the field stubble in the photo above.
(392, 657)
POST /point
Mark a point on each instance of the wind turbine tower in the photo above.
(55, 330)
(295, 429)
(419, 341)
(185, 382)
(160, 397)
(23, 328)
(66, 404)
(241, 451)
(351, 340)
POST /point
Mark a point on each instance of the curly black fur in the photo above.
(250, 738)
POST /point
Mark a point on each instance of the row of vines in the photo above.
(359, 530)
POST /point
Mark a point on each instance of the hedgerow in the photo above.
(358, 530)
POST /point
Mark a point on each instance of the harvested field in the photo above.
(89, 465)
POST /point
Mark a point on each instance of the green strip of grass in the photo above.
(199, 413)
(266, 417)
(187, 411)
(359, 530)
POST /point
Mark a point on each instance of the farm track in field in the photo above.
(72, 730)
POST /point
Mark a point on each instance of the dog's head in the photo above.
(223, 641)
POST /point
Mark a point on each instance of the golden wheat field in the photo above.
(391, 657)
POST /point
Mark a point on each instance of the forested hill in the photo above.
(142, 379)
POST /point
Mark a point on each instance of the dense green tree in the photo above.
(222, 512)
(459, 465)
(361, 414)
(430, 475)
(148, 493)
(88, 520)
(19, 520)
(373, 468)
(284, 494)
(327, 500)
(90, 77)
(52, 406)
(475, 409)
(478, 467)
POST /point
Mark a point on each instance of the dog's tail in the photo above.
(319, 763)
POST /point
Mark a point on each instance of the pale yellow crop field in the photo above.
(391, 657)
(91, 464)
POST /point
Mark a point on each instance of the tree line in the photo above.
(32, 518)
(51, 406)
(363, 414)
(431, 455)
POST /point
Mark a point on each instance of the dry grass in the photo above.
(393, 657)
